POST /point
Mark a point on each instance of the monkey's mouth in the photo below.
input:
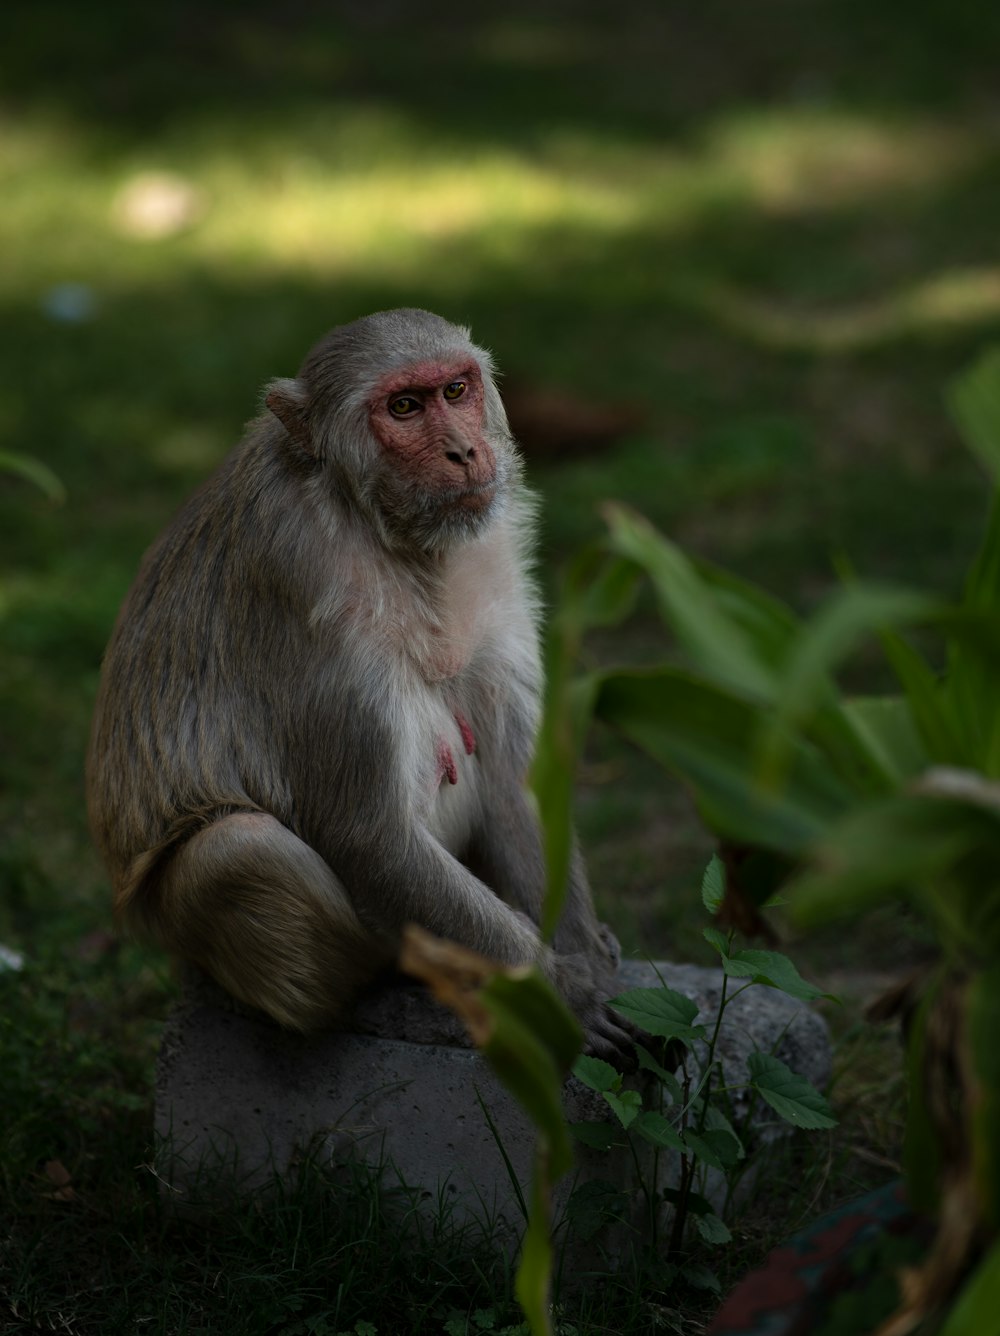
(475, 498)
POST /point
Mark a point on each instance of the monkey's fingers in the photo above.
(607, 1037)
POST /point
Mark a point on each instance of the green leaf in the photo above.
(885, 728)
(929, 703)
(717, 939)
(718, 1149)
(791, 1096)
(975, 1311)
(596, 1073)
(819, 648)
(701, 1278)
(716, 644)
(974, 668)
(713, 885)
(772, 969)
(34, 471)
(599, 1136)
(667, 1079)
(533, 1280)
(712, 1229)
(660, 1011)
(518, 1051)
(694, 1203)
(975, 404)
(716, 1121)
(626, 1106)
(653, 1127)
(768, 624)
(885, 848)
(707, 736)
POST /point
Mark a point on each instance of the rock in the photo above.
(239, 1100)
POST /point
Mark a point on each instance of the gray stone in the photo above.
(239, 1099)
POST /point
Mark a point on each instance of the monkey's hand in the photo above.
(584, 989)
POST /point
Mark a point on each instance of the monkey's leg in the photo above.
(263, 914)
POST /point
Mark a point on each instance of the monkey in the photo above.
(320, 700)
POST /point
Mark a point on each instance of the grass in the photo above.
(769, 231)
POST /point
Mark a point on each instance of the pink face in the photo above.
(429, 418)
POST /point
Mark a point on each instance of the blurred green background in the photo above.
(746, 245)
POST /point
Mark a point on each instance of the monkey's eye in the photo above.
(455, 390)
(404, 406)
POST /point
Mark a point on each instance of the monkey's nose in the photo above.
(460, 453)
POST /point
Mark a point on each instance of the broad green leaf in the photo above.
(627, 1105)
(982, 1030)
(535, 1003)
(603, 595)
(717, 939)
(660, 1011)
(667, 1079)
(974, 399)
(822, 644)
(706, 736)
(653, 1127)
(596, 1073)
(884, 726)
(531, 1071)
(713, 885)
(772, 969)
(701, 1278)
(769, 625)
(716, 1121)
(694, 1202)
(712, 1229)
(717, 645)
(885, 848)
(600, 1136)
(34, 471)
(790, 1096)
(929, 703)
(717, 1148)
(974, 1312)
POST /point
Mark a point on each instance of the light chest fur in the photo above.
(449, 660)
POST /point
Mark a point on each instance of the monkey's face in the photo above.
(438, 471)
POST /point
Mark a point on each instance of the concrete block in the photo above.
(236, 1095)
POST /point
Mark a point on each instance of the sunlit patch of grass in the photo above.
(822, 158)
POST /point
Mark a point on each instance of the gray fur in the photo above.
(261, 778)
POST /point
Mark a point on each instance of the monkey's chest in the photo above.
(446, 771)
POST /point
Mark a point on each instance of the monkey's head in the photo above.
(402, 411)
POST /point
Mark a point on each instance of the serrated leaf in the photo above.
(626, 1106)
(694, 1202)
(712, 1229)
(596, 1073)
(653, 1127)
(713, 885)
(704, 1150)
(790, 1096)
(773, 970)
(717, 939)
(701, 1278)
(667, 1079)
(660, 1011)
(599, 1136)
(716, 1121)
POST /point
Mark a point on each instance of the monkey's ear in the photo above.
(287, 401)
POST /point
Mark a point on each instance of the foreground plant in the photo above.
(847, 802)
